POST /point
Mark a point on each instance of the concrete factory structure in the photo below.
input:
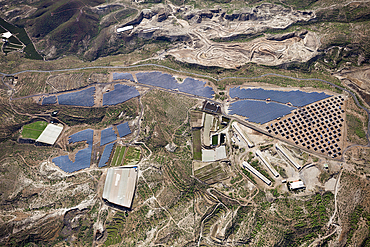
(267, 163)
(243, 135)
(255, 172)
(50, 134)
(287, 155)
(120, 185)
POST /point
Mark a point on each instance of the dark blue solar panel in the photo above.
(259, 111)
(297, 98)
(190, 85)
(157, 79)
(123, 129)
(84, 135)
(107, 135)
(106, 154)
(123, 76)
(82, 161)
(81, 98)
(49, 100)
(196, 87)
(120, 94)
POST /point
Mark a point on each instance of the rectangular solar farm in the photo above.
(106, 154)
(123, 129)
(167, 81)
(49, 100)
(122, 76)
(120, 94)
(107, 135)
(80, 98)
(259, 111)
(84, 135)
(82, 161)
(296, 98)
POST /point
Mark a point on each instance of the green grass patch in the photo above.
(115, 156)
(355, 127)
(34, 130)
(132, 156)
(197, 145)
(215, 140)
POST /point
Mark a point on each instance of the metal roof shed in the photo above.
(120, 185)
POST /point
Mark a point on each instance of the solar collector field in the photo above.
(49, 100)
(120, 94)
(259, 111)
(82, 158)
(122, 76)
(107, 135)
(123, 129)
(80, 98)
(296, 98)
(106, 154)
(167, 81)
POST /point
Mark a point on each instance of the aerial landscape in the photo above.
(185, 123)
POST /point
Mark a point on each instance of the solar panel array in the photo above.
(107, 135)
(122, 76)
(317, 127)
(82, 158)
(196, 87)
(259, 111)
(49, 100)
(80, 98)
(296, 98)
(106, 154)
(157, 79)
(120, 94)
(123, 129)
(167, 81)
(82, 161)
(84, 135)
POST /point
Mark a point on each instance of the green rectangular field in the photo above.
(115, 156)
(197, 145)
(34, 130)
(120, 157)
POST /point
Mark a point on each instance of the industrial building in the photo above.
(267, 163)
(209, 155)
(50, 134)
(120, 185)
(255, 172)
(122, 29)
(246, 139)
(296, 185)
(287, 155)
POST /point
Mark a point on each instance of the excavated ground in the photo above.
(198, 31)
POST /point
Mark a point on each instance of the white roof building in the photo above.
(122, 29)
(50, 134)
(6, 35)
(209, 155)
(296, 185)
(120, 185)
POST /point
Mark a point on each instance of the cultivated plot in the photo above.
(33, 130)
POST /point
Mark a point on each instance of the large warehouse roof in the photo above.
(50, 134)
(120, 185)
